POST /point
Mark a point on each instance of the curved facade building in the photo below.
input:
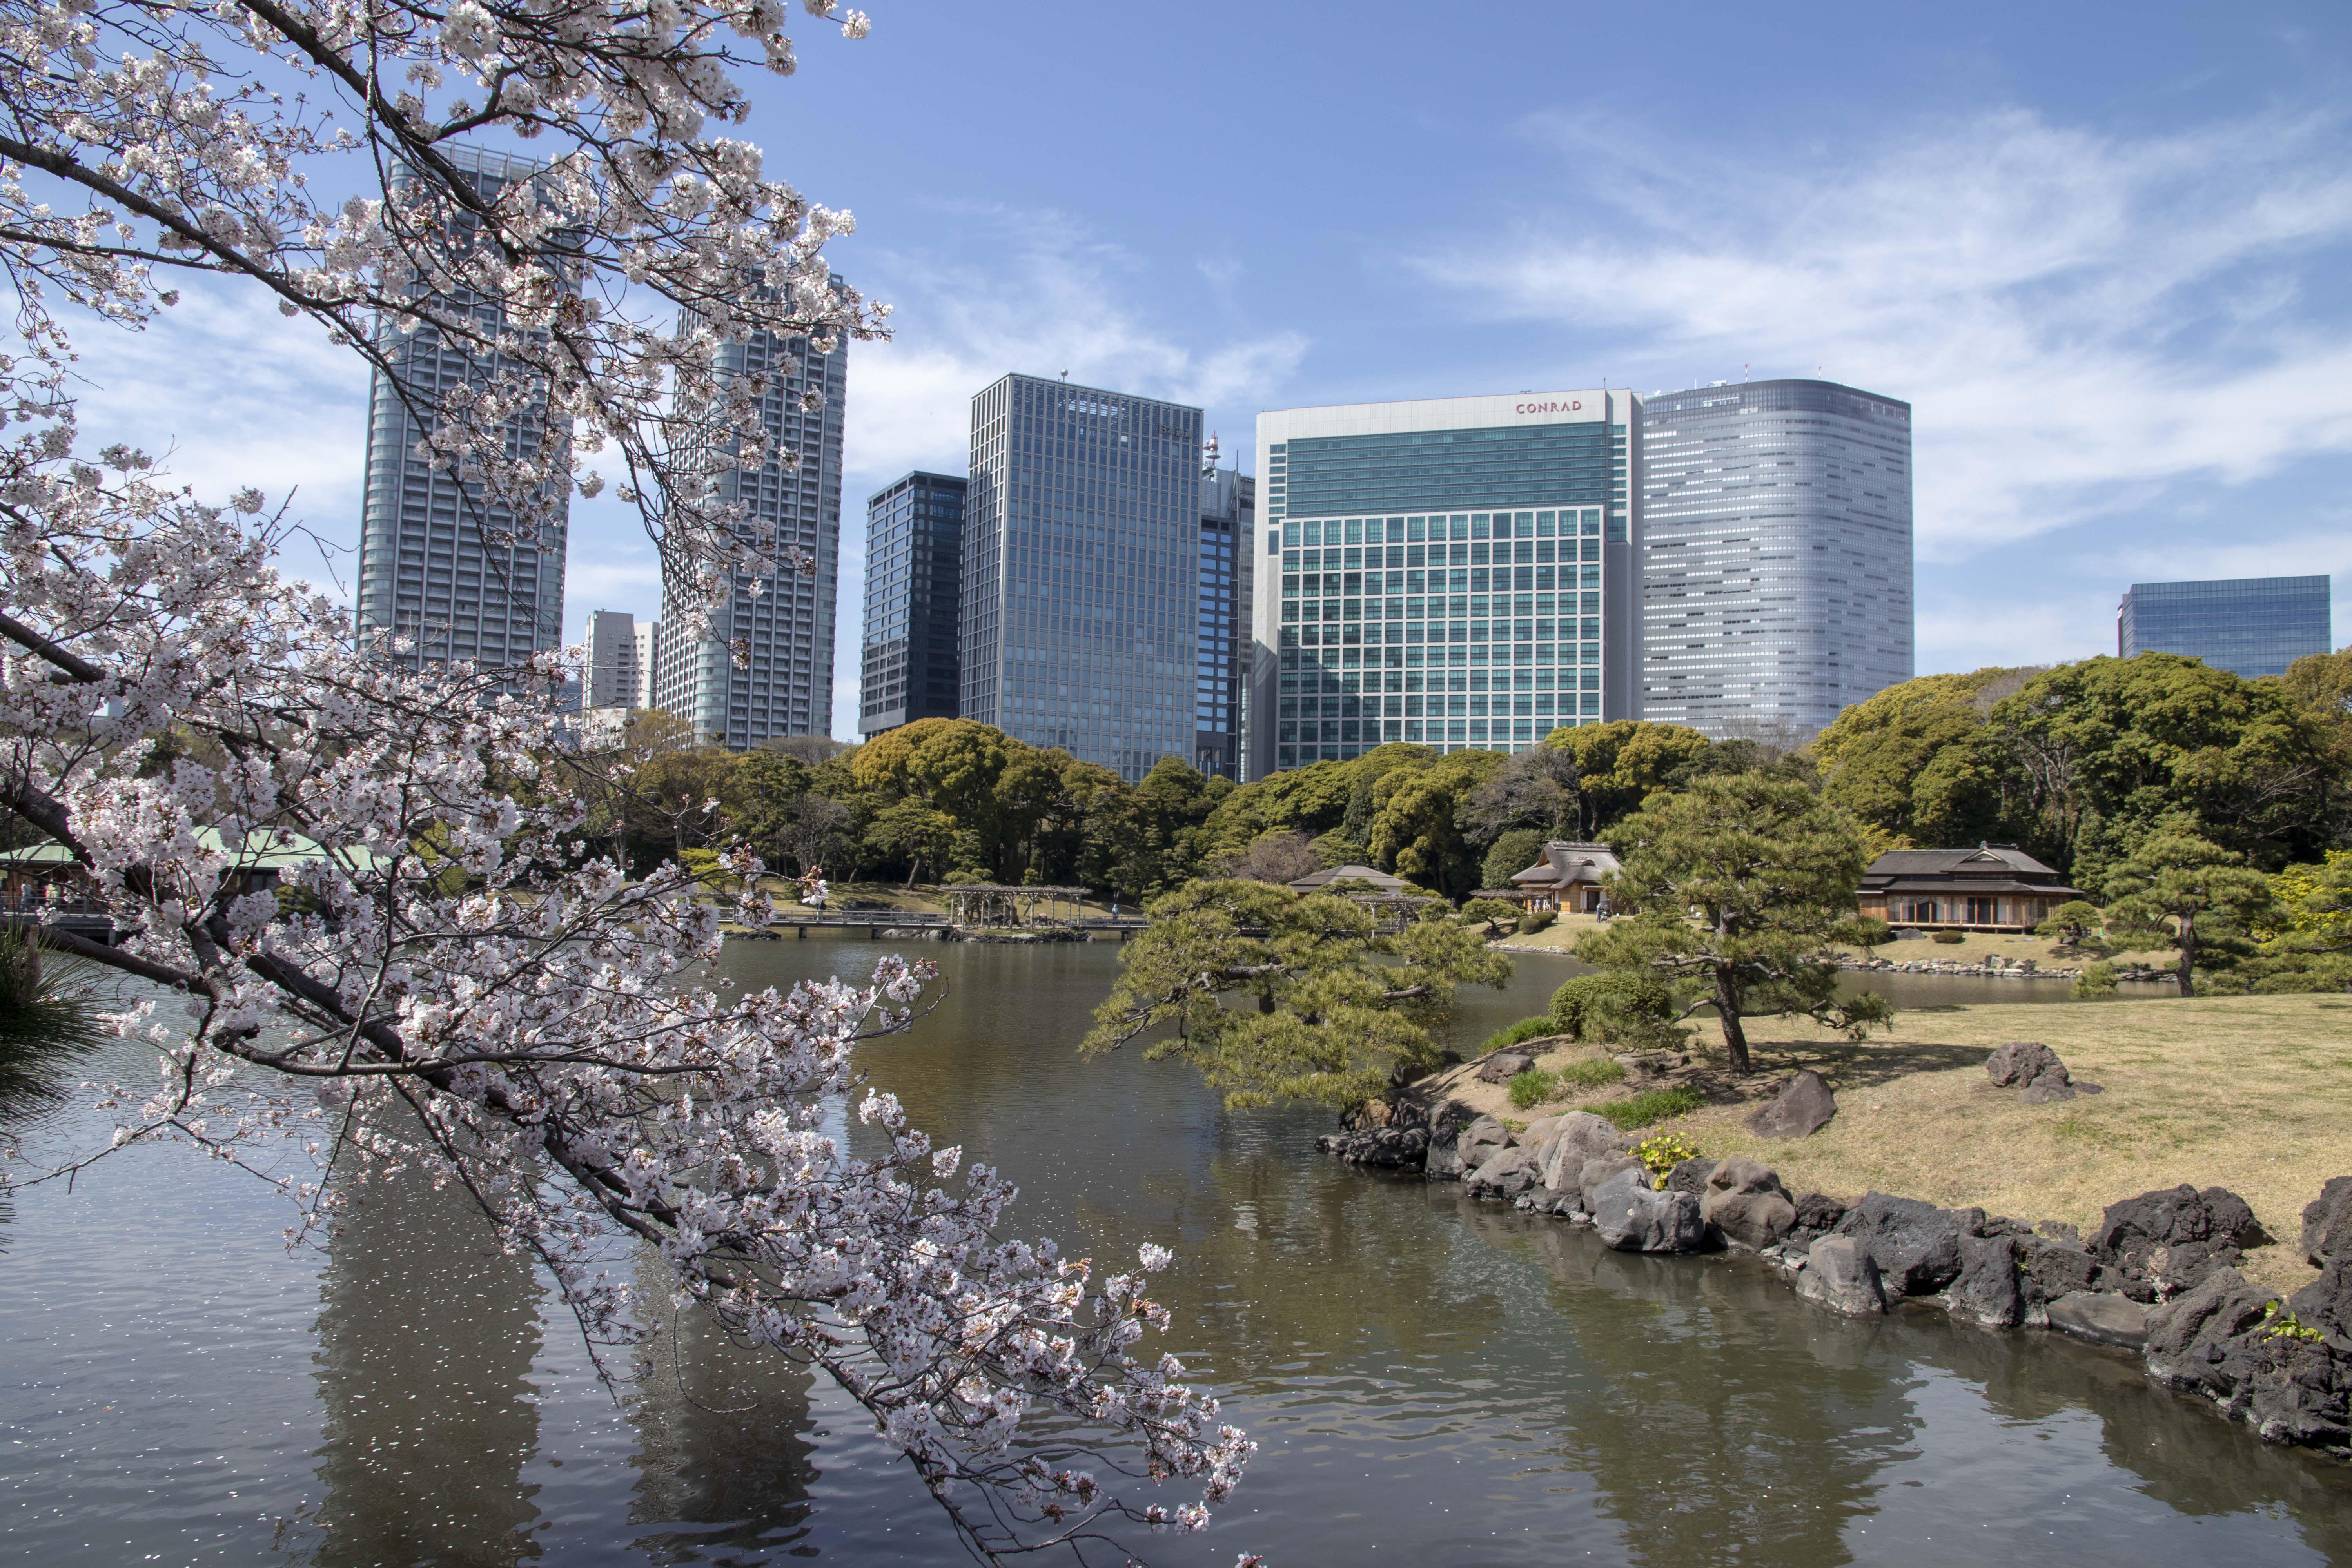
(1776, 555)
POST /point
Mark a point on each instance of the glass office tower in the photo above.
(1456, 572)
(2248, 626)
(441, 565)
(1776, 558)
(767, 668)
(1222, 625)
(1080, 570)
(914, 580)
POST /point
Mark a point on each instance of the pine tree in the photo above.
(1739, 891)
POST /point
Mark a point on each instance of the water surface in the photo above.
(1432, 1380)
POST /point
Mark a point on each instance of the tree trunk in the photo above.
(2186, 967)
(1726, 1008)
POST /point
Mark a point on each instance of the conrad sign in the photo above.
(1563, 406)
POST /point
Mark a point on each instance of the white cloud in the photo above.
(2080, 321)
(229, 392)
(1035, 293)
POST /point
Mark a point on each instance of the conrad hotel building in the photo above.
(1456, 572)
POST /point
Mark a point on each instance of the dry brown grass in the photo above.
(2251, 1093)
(1974, 947)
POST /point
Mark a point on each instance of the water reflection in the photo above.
(425, 1336)
(725, 1459)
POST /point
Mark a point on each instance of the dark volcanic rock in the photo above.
(2201, 1341)
(1916, 1244)
(1690, 1176)
(2162, 1243)
(2048, 1268)
(2328, 1224)
(1443, 1163)
(2021, 1062)
(1631, 1215)
(1839, 1274)
(1392, 1148)
(1800, 1110)
(1746, 1202)
(1989, 1291)
(1818, 1211)
(2326, 1304)
(2049, 1087)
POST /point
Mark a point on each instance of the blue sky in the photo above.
(2100, 250)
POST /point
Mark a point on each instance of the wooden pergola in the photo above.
(996, 904)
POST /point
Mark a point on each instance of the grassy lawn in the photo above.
(2251, 1093)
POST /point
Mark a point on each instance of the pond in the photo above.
(1432, 1380)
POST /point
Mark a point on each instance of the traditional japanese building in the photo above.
(1567, 879)
(1994, 886)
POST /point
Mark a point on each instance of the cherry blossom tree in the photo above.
(358, 884)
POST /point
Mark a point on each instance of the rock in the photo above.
(2201, 1341)
(1506, 1174)
(1504, 1066)
(2057, 1230)
(2328, 1224)
(1633, 1217)
(1988, 1292)
(1690, 1176)
(1841, 1274)
(2326, 1304)
(1576, 1138)
(1446, 1121)
(1818, 1211)
(2023, 1062)
(2048, 1268)
(1916, 1244)
(2298, 1393)
(1592, 1174)
(2162, 1243)
(1482, 1141)
(2049, 1087)
(1800, 1110)
(1746, 1201)
(2104, 1317)
(1392, 1148)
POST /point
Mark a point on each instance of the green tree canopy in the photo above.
(1739, 891)
(1512, 853)
(1619, 765)
(1277, 995)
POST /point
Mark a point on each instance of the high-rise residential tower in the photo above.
(1776, 555)
(914, 577)
(1081, 545)
(442, 566)
(1221, 628)
(615, 677)
(1456, 572)
(648, 637)
(766, 668)
(2249, 625)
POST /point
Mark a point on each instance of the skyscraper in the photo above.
(648, 637)
(1081, 545)
(1456, 572)
(1776, 557)
(2249, 625)
(1222, 622)
(766, 669)
(614, 676)
(913, 575)
(442, 565)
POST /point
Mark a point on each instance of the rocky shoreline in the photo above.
(2157, 1278)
